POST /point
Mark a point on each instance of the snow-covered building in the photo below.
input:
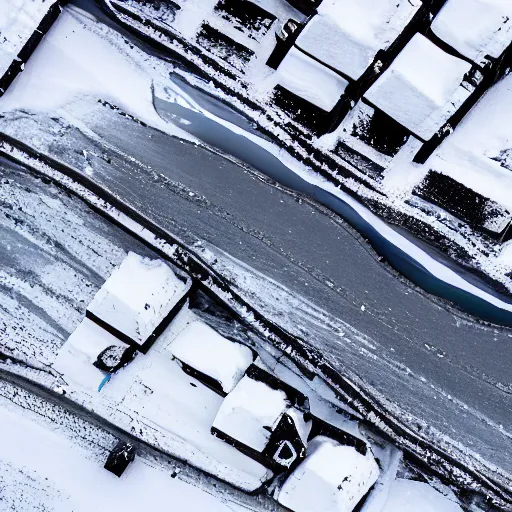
(310, 80)
(465, 203)
(332, 478)
(22, 25)
(423, 87)
(211, 358)
(476, 29)
(265, 419)
(81, 360)
(138, 300)
(347, 35)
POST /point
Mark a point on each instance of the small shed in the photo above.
(120, 458)
(347, 35)
(478, 29)
(214, 360)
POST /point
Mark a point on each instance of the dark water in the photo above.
(247, 151)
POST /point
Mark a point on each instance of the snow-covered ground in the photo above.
(157, 371)
(95, 78)
(45, 465)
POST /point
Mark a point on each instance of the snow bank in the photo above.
(250, 412)
(18, 20)
(422, 87)
(205, 350)
(310, 80)
(137, 297)
(332, 478)
(347, 35)
(407, 495)
(475, 28)
(77, 356)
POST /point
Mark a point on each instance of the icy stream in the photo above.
(490, 305)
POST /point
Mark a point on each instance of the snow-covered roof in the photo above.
(248, 409)
(422, 87)
(18, 20)
(76, 357)
(332, 478)
(310, 80)
(205, 350)
(347, 34)
(475, 28)
(407, 495)
(138, 295)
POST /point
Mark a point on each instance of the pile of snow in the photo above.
(137, 297)
(422, 88)
(475, 28)
(347, 35)
(18, 20)
(332, 478)
(310, 80)
(407, 495)
(206, 351)
(77, 356)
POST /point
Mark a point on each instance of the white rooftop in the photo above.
(310, 80)
(332, 478)
(422, 87)
(137, 296)
(347, 34)
(475, 28)
(76, 357)
(205, 350)
(250, 407)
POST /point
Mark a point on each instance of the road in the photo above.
(451, 374)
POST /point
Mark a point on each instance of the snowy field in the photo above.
(138, 399)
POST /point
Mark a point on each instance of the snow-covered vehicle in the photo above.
(138, 300)
(332, 478)
(214, 360)
(265, 419)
